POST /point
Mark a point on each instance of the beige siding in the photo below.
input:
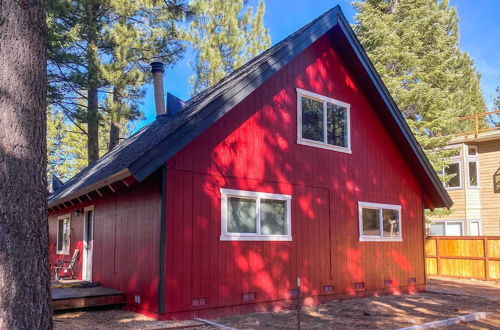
(458, 209)
(489, 164)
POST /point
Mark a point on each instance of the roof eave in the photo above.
(100, 184)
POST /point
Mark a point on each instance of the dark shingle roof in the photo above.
(148, 149)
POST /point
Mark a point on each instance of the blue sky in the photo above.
(479, 36)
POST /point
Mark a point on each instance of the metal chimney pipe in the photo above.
(157, 71)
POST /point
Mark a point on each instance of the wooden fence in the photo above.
(463, 256)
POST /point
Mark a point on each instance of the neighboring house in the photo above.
(475, 187)
(298, 164)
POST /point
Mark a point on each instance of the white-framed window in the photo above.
(475, 227)
(447, 228)
(453, 170)
(323, 122)
(255, 216)
(472, 167)
(379, 222)
(63, 234)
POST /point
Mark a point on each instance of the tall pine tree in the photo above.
(224, 34)
(66, 155)
(98, 60)
(414, 47)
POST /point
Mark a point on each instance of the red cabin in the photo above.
(298, 164)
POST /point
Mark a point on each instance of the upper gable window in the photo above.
(323, 122)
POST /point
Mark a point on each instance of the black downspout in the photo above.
(162, 242)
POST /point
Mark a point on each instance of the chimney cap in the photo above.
(157, 66)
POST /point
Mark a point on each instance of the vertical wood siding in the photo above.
(125, 251)
(254, 147)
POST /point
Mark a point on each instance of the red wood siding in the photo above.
(125, 251)
(254, 148)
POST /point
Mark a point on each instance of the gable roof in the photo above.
(148, 149)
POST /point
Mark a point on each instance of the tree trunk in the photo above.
(93, 81)
(92, 125)
(24, 246)
(114, 133)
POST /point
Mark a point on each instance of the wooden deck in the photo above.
(76, 297)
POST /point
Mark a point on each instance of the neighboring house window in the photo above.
(255, 216)
(472, 151)
(323, 122)
(496, 181)
(63, 235)
(379, 222)
(447, 228)
(473, 168)
(475, 227)
(453, 173)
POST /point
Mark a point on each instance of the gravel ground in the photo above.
(445, 299)
(100, 319)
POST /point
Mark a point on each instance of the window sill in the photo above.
(380, 239)
(62, 253)
(321, 145)
(256, 238)
(454, 188)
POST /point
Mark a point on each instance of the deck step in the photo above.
(70, 298)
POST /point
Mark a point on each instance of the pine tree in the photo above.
(414, 47)
(225, 35)
(135, 35)
(98, 59)
(66, 155)
(24, 238)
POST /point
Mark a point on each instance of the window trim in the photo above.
(324, 99)
(367, 205)
(63, 251)
(225, 236)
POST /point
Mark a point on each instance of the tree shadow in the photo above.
(254, 148)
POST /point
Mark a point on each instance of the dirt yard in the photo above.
(445, 299)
